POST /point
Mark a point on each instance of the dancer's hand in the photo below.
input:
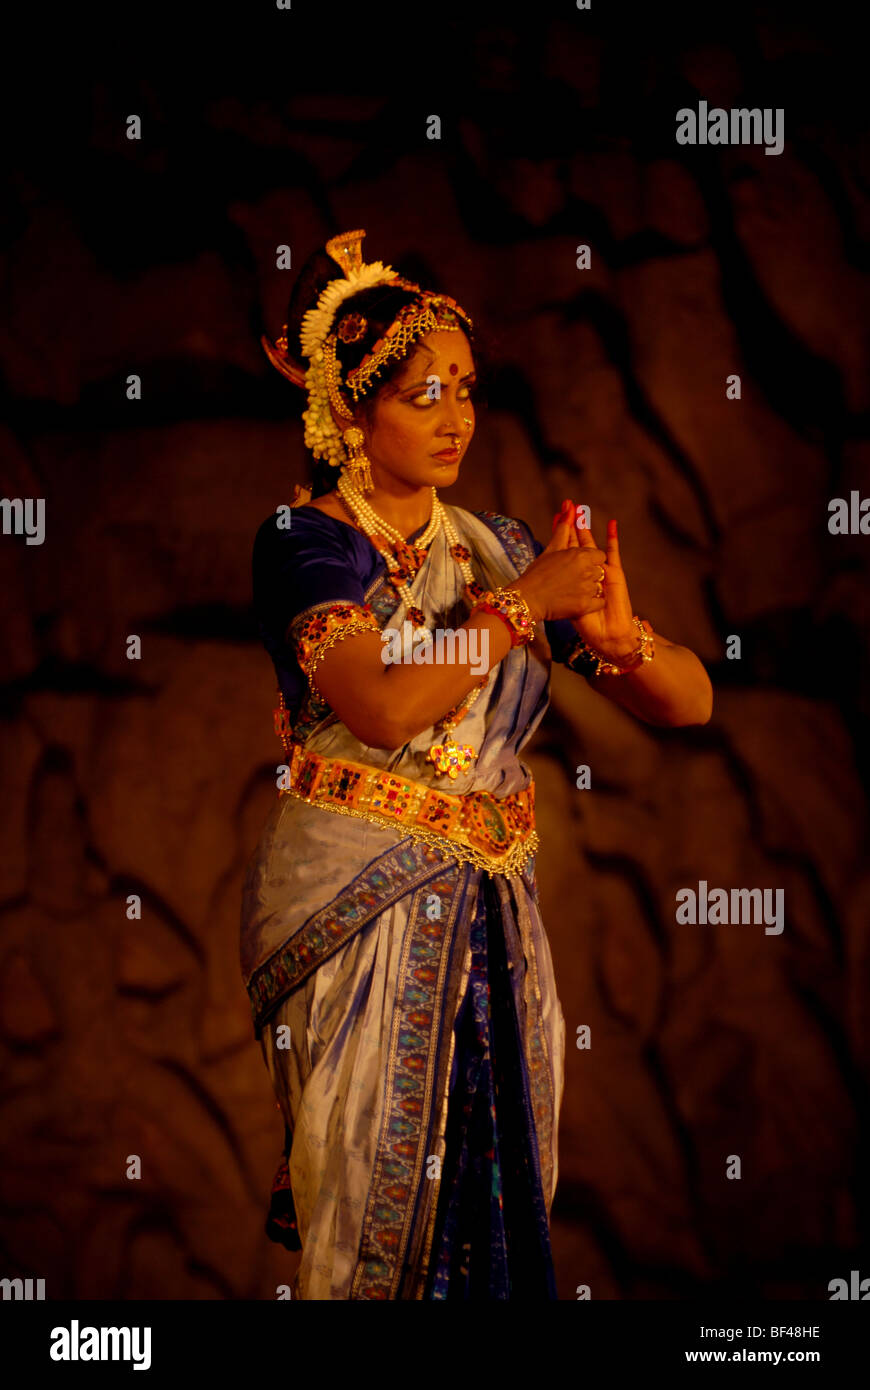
(563, 581)
(609, 629)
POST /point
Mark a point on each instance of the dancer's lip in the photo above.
(448, 455)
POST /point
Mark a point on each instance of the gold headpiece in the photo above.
(426, 313)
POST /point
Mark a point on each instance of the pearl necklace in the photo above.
(377, 525)
(446, 754)
(403, 559)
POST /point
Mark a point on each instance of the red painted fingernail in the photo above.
(611, 530)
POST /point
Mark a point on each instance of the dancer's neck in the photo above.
(406, 514)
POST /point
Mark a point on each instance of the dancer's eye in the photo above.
(463, 394)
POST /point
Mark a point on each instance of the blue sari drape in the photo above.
(492, 1236)
(404, 998)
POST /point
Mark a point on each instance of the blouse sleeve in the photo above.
(308, 592)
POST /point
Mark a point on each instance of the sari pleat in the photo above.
(492, 1238)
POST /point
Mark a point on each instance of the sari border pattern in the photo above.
(381, 883)
(511, 533)
(415, 1075)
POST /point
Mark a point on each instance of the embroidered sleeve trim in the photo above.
(313, 632)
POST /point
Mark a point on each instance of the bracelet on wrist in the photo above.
(590, 662)
(511, 607)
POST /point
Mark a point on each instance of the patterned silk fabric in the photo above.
(405, 1001)
(492, 1238)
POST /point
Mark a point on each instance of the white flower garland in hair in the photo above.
(317, 323)
(322, 435)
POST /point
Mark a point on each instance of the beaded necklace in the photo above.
(403, 563)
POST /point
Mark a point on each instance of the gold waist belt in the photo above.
(494, 833)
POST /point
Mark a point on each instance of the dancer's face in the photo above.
(408, 429)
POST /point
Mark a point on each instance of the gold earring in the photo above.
(358, 465)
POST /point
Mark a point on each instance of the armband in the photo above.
(313, 636)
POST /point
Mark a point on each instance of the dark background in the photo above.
(157, 257)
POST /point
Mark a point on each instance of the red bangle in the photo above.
(513, 610)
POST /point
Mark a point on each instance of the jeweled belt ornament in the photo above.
(494, 833)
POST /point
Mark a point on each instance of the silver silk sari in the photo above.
(378, 988)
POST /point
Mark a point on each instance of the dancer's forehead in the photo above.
(443, 354)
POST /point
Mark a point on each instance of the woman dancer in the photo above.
(392, 945)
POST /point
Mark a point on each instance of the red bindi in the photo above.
(453, 369)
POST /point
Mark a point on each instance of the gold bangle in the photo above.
(594, 664)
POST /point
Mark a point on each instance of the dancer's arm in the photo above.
(387, 705)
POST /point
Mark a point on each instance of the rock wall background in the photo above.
(157, 257)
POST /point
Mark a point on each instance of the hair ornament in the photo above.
(318, 338)
(351, 328)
